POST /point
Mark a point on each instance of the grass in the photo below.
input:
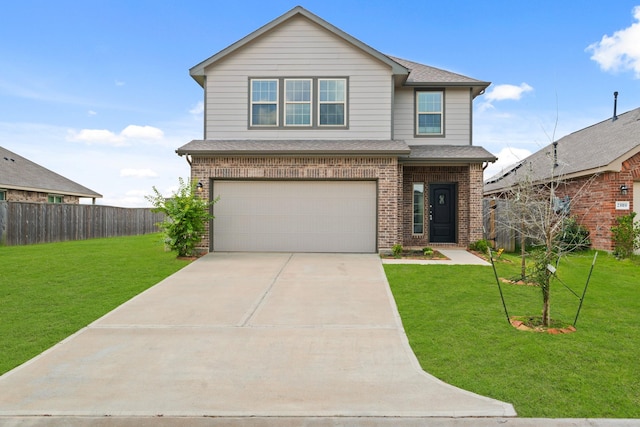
(49, 291)
(457, 327)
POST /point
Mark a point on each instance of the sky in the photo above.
(99, 90)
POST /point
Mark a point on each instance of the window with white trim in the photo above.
(418, 208)
(55, 198)
(264, 102)
(332, 102)
(297, 102)
(3, 194)
(429, 113)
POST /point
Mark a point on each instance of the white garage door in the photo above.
(295, 216)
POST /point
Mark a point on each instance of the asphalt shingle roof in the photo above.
(420, 73)
(589, 150)
(260, 147)
(407, 153)
(461, 153)
(19, 173)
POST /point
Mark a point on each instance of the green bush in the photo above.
(427, 251)
(186, 216)
(626, 236)
(396, 250)
(479, 246)
(574, 236)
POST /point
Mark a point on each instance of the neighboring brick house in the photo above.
(316, 142)
(22, 180)
(598, 169)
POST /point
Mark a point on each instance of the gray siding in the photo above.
(457, 117)
(298, 48)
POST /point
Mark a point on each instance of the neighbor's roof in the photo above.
(198, 71)
(598, 148)
(315, 147)
(18, 173)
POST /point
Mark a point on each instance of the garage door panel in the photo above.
(300, 216)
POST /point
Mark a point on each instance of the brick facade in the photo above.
(384, 170)
(468, 180)
(593, 200)
(37, 197)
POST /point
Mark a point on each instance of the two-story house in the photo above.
(316, 142)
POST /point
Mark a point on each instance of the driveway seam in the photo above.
(249, 315)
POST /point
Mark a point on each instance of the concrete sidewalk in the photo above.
(239, 335)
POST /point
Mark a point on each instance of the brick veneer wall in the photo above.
(468, 180)
(382, 169)
(593, 200)
(36, 197)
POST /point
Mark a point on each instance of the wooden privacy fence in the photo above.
(496, 230)
(24, 223)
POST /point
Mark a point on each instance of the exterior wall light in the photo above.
(200, 187)
(624, 189)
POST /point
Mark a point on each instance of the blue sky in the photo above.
(99, 91)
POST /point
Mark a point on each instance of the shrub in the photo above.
(626, 236)
(574, 236)
(479, 246)
(186, 216)
(427, 251)
(396, 250)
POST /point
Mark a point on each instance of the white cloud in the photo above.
(120, 83)
(139, 173)
(91, 113)
(507, 157)
(142, 132)
(124, 138)
(197, 109)
(96, 136)
(506, 91)
(621, 51)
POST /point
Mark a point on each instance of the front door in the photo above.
(442, 213)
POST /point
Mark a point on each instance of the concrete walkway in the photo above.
(242, 335)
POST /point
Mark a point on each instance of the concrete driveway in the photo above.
(236, 335)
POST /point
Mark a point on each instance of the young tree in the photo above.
(543, 221)
(186, 216)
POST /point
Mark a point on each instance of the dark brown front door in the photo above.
(442, 213)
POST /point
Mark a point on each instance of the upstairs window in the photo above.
(55, 198)
(332, 102)
(305, 102)
(297, 103)
(3, 195)
(429, 113)
(264, 102)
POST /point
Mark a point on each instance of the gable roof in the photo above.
(425, 76)
(18, 173)
(198, 71)
(598, 148)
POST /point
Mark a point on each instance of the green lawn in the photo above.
(457, 327)
(49, 291)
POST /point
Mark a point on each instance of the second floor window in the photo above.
(298, 102)
(3, 194)
(264, 102)
(429, 113)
